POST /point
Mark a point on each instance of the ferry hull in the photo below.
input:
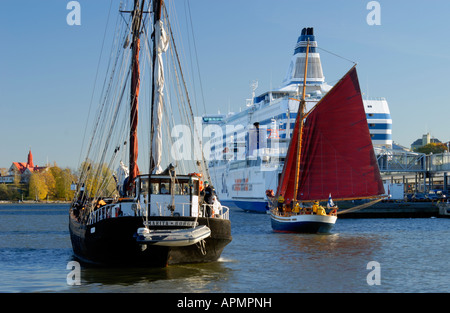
(310, 224)
(249, 206)
(112, 242)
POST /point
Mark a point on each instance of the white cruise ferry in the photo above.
(248, 148)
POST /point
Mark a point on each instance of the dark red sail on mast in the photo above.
(337, 155)
(287, 180)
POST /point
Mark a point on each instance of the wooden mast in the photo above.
(301, 111)
(134, 93)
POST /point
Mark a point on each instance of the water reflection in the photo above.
(335, 245)
(174, 278)
(327, 262)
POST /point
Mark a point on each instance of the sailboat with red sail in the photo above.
(330, 156)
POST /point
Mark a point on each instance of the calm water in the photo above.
(413, 255)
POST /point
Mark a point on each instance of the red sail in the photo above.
(337, 155)
(287, 180)
(135, 83)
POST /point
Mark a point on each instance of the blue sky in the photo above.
(48, 68)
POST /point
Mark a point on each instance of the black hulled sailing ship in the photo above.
(125, 217)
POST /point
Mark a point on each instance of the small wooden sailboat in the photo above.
(128, 218)
(330, 153)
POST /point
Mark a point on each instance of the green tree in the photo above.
(63, 180)
(434, 147)
(4, 192)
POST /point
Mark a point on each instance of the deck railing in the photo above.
(115, 210)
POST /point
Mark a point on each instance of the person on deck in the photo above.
(164, 190)
(321, 210)
(280, 204)
(297, 208)
(208, 198)
(100, 203)
(315, 207)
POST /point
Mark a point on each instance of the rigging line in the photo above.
(108, 135)
(337, 55)
(95, 79)
(203, 163)
(196, 56)
(87, 173)
(173, 94)
(106, 94)
(102, 139)
(190, 57)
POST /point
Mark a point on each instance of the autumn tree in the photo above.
(52, 183)
(434, 147)
(99, 180)
(37, 187)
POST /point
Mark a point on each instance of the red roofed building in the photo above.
(24, 170)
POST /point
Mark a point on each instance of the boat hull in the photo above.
(305, 223)
(444, 209)
(113, 242)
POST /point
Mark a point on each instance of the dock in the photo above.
(406, 175)
(395, 209)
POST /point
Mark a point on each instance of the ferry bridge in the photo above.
(417, 171)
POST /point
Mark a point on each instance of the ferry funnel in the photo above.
(295, 74)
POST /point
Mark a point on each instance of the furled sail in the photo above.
(134, 113)
(161, 44)
(337, 155)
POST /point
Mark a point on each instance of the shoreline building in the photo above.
(22, 170)
(425, 140)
